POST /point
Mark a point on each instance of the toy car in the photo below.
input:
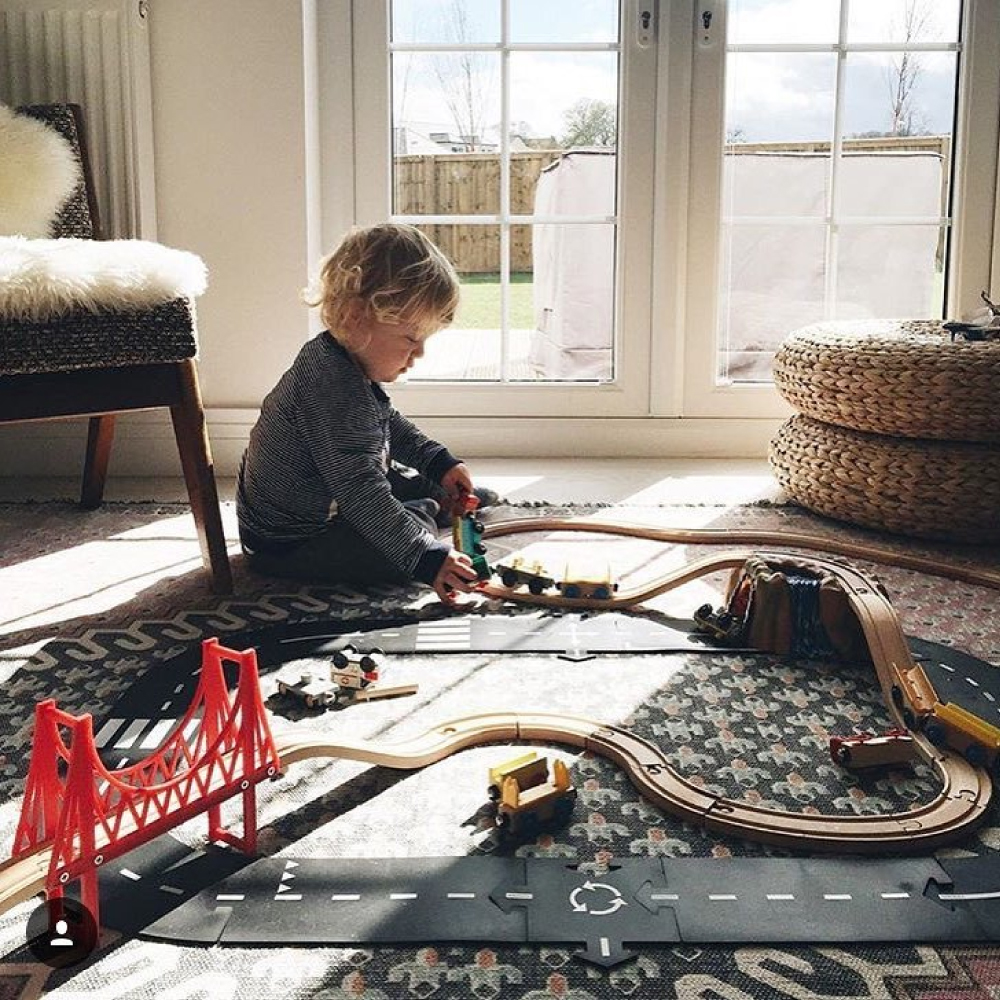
(867, 750)
(519, 572)
(719, 624)
(353, 670)
(527, 798)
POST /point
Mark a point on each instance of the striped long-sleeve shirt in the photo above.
(321, 449)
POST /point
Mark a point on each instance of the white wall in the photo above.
(229, 127)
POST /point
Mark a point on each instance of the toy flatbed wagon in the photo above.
(527, 798)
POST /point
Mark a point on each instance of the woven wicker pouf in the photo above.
(948, 490)
(901, 378)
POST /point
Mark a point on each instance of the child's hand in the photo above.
(456, 573)
(457, 481)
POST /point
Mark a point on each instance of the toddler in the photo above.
(321, 495)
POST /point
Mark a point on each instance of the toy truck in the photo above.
(467, 536)
(868, 750)
(527, 798)
(521, 573)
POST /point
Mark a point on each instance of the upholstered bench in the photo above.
(898, 428)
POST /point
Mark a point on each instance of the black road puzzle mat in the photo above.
(166, 892)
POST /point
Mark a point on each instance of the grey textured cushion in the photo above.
(100, 340)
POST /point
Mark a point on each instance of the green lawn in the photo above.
(480, 305)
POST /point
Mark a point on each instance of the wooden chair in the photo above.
(83, 363)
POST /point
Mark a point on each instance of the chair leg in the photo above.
(188, 418)
(100, 434)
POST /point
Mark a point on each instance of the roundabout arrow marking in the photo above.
(581, 906)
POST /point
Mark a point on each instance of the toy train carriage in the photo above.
(527, 798)
(866, 750)
(518, 572)
(580, 583)
(352, 670)
(467, 536)
(718, 623)
(944, 723)
(952, 726)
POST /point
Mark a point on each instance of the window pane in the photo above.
(759, 21)
(564, 21)
(450, 99)
(903, 21)
(447, 21)
(890, 271)
(573, 302)
(567, 99)
(773, 281)
(470, 348)
(894, 176)
(899, 94)
(779, 96)
(775, 179)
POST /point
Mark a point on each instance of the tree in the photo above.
(902, 77)
(590, 122)
(461, 76)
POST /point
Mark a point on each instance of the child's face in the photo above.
(389, 349)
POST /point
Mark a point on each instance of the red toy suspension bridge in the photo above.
(86, 814)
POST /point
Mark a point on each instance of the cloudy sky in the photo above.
(770, 96)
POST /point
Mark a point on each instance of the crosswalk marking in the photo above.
(157, 734)
(106, 731)
(128, 738)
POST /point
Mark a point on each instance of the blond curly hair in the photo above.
(393, 273)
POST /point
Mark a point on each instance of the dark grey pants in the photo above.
(339, 554)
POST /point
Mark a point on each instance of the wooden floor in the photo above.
(553, 480)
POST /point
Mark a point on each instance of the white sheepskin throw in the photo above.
(43, 279)
(38, 172)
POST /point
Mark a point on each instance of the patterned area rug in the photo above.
(120, 593)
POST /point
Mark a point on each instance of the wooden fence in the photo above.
(469, 184)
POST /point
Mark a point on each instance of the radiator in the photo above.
(94, 53)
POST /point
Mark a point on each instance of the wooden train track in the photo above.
(732, 536)
(959, 806)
